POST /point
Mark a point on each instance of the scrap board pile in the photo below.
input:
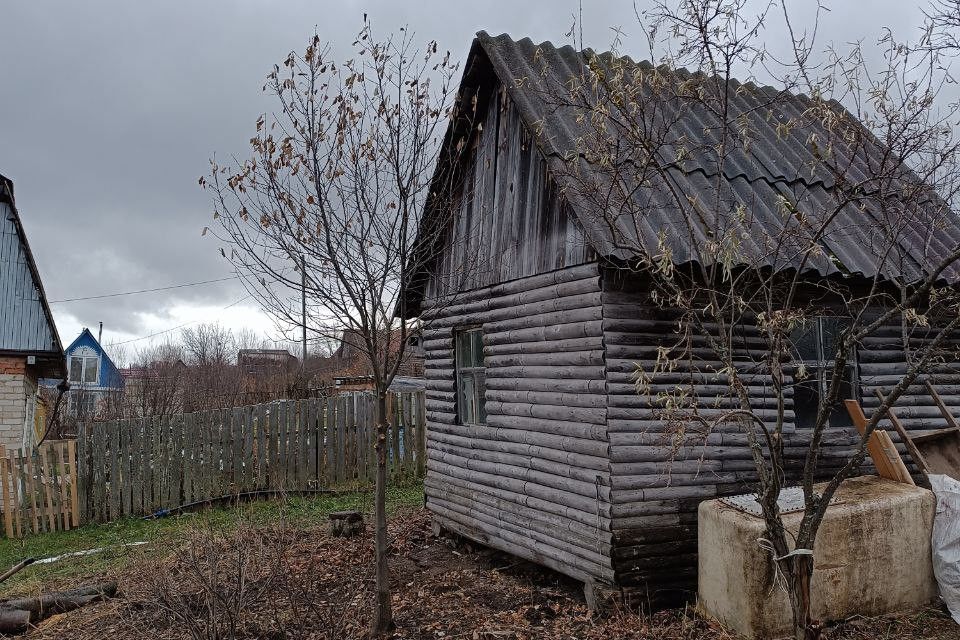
(933, 452)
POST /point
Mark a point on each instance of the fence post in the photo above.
(82, 487)
(46, 477)
(5, 477)
(421, 426)
(74, 456)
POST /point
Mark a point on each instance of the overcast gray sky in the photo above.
(111, 110)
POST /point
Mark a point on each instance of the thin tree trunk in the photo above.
(799, 581)
(383, 615)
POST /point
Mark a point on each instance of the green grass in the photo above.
(165, 534)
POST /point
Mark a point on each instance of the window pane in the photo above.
(804, 339)
(832, 328)
(480, 380)
(467, 399)
(76, 369)
(463, 349)
(806, 398)
(90, 370)
(477, 340)
(839, 416)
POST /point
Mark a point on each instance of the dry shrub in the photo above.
(241, 581)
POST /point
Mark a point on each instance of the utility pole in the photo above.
(303, 301)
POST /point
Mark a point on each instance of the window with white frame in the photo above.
(815, 344)
(471, 376)
(84, 369)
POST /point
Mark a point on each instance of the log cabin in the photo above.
(538, 442)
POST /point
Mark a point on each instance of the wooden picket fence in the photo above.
(140, 467)
(40, 488)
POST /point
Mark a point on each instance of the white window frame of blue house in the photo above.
(88, 363)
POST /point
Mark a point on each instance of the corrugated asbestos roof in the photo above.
(779, 164)
(26, 324)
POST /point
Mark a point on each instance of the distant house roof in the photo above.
(779, 162)
(400, 384)
(156, 370)
(266, 354)
(26, 323)
(264, 360)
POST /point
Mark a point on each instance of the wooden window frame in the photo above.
(474, 372)
(819, 366)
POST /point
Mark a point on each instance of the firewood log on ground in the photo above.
(17, 615)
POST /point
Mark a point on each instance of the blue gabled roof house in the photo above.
(93, 377)
(30, 348)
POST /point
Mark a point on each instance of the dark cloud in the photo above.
(111, 110)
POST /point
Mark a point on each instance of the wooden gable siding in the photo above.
(23, 321)
(509, 221)
(534, 481)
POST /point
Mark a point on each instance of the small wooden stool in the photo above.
(346, 524)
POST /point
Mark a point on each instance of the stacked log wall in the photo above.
(883, 363)
(534, 481)
(658, 475)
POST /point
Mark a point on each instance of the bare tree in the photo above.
(745, 279)
(208, 344)
(322, 220)
(156, 382)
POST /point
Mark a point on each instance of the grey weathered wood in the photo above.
(361, 437)
(408, 436)
(247, 459)
(303, 442)
(344, 416)
(99, 481)
(313, 450)
(283, 444)
(202, 466)
(330, 442)
(237, 449)
(179, 455)
(262, 443)
(115, 482)
(126, 468)
(188, 466)
(84, 472)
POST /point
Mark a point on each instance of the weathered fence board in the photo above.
(40, 488)
(140, 467)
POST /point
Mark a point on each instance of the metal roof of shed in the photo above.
(26, 323)
(779, 163)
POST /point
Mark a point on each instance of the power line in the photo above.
(179, 326)
(130, 293)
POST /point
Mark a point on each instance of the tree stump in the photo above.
(346, 524)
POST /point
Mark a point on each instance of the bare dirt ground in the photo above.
(277, 582)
